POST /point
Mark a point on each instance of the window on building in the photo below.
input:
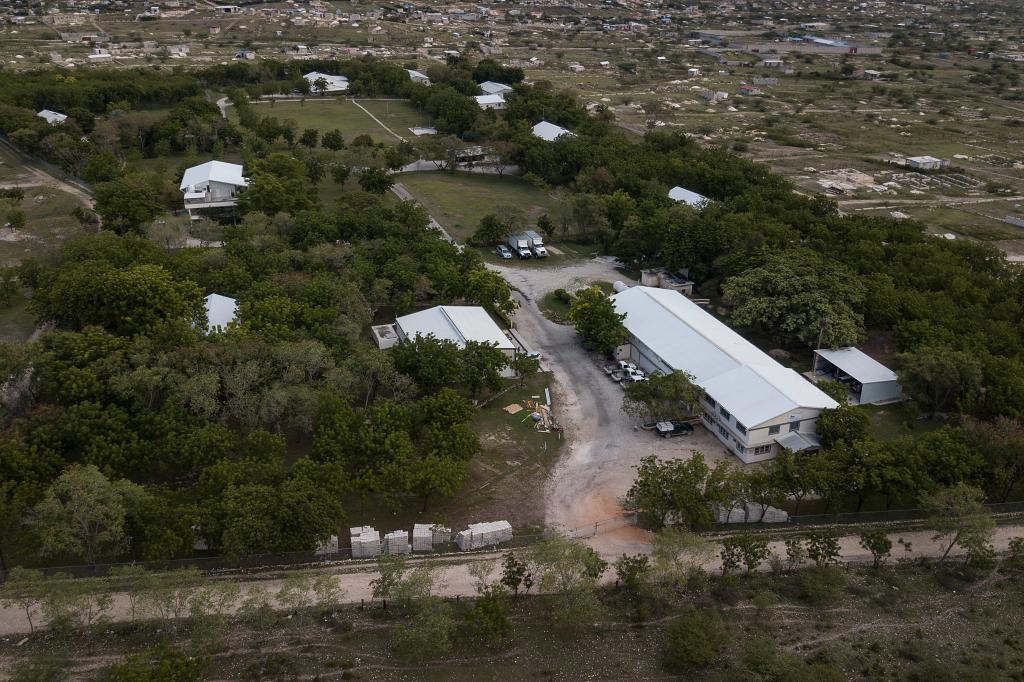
(741, 428)
(794, 426)
(724, 412)
(762, 449)
(709, 400)
(722, 430)
(772, 430)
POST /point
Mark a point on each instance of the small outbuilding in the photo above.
(549, 132)
(490, 101)
(688, 197)
(54, 118)
(870, 382)
(221, 311)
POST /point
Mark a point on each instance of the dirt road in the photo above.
(454, 579)
(603, 444)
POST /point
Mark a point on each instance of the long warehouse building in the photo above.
(754, 405)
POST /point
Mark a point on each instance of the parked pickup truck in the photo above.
(670, 429)
(520, 245)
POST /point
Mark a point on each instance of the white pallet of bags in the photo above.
(366, 543)
(441, 534)
(397, 542)
(464, 540)
(422, 538)
(504, 530)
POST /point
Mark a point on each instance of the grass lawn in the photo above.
(10, 165)
(16, 322)
(48, 223)
(327, 113)
(889, 422)
(459, 200)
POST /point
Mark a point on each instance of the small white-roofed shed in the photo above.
(221, 311)
(870, 382)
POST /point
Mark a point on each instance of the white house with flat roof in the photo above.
(334, 83)
(214, 184)
(549, 132)
(492, 88)
(490, 101)
(870, 382)
(54, 118)
(754, 405)
(688, 197)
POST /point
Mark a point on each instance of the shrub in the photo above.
(694, 640)
(563, 296)
(821, 584)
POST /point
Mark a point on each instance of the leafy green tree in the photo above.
(663, 396)
(432, 363)
(515, 575)
(278, 183)
(390, 569)
(375, 180)
(16, 499)
(320, 85)
(571, 570)
(693, 640)
(823, 548)
(959, 518)
(846, 423)
(309, 138)
(878, 543)
(799, 295)
(836, 390)
(488, 620)
(83, 514)
(939, 377)
(1001, 443)
(340, 173)
(430, 632)
(671, 491)
(593, 314)
(333, 140)
(490, 290)
(139, 300)
(491, 230)
(23, 589)
(482, 364)
(126, 205)
(163, 663)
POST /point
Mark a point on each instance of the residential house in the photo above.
(688, 197)
(334, 83)
(490, 101)
(550, 132)
(492, 88)
(214, 184)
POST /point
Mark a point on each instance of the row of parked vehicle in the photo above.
(525, 245)
(625, 372)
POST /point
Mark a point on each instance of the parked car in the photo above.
(504, 252)
(634, 375)
(626, 366)
(670, 429)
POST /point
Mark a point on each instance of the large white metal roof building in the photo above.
(457, 323)
(748, 388)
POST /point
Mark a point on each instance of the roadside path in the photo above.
(454, 579)
(379, 122)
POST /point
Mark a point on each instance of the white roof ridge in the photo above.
(451, 322)
(700, 332)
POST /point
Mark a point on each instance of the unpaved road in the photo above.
(454, 579)
(596, 467)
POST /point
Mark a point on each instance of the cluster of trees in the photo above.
(851, 470)
(250, 438)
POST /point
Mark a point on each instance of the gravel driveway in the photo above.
(604, 444)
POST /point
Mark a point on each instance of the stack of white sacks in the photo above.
(397, 542)
(480, 535)
(441, 534)
(365, 542)
(422, 538)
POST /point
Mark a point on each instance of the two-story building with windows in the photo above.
(754, 405)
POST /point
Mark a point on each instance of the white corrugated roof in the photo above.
(220, 312)
(857, 364)
(334, 83)
(484, 100)
(458, 323)
(550, 132)
(492, 88)
(736, 373)
(52, 117)
(213, 171)
(691, 198)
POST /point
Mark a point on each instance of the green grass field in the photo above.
(48, 222)
(459, 200)
(327, 113)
